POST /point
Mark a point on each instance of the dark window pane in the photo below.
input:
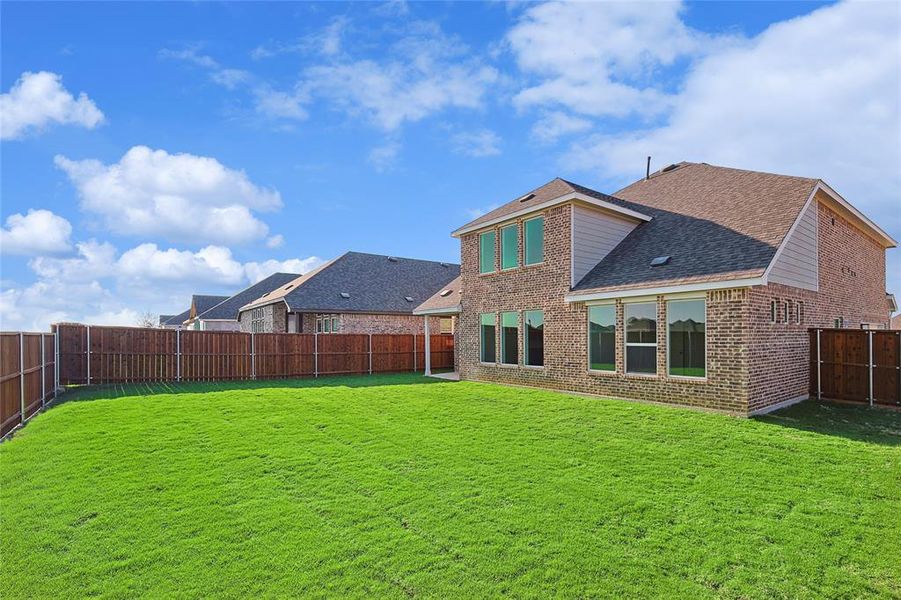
(641, 323)
(687, 332)
(602, 338)
(510, 247)
(641, 359)
(533, 238)
(534, 338)
(510, 338)
(486, 252)
(488, 342)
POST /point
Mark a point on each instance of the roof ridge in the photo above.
(425, 260)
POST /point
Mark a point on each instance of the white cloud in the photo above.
(257, 271)
(275, 241)
(93, 260)
(213, 264)
(384, 157)
(230, 78)
(477, 144)
(174, 196)
(39, 99)
(598, 58)
(281, 105)
(553, 125)
(38, 232)
(226, 77)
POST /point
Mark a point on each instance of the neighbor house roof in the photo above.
(446, 300)
(165, 319)
(179, 319)
(201, 303)
(228, 309)
(368, 283)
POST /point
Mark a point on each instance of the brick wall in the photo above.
(566, 332)
(274, 318)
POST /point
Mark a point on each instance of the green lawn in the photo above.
(397, 486)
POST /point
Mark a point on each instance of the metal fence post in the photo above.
(316, 355)
(414, 352)
(870, 364)
(178, 355)
(819, 363)
(89, 354)
(370, 354)
(22, 377)
(43, 374)
(55, 361)
(253, 357)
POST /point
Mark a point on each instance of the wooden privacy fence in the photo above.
(860, 365)
(27, 376)
(95, 354)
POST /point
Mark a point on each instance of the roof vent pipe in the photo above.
(647, 173)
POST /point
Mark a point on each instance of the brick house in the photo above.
(693, 286)
(200, 303)
(223, 316)
(354, 293)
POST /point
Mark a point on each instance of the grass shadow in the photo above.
(107, 391)
(861, 423)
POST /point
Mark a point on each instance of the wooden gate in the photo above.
(859, 365)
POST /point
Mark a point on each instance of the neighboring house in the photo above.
(224, 315)
(164, 319)
(896, 321)
(199, 304)
(354, 293)
(175, 321)
(696, 286)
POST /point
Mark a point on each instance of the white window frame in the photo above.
(669, 345)
(524, 334)
(639, 344)
(482, 341)
(543, 240)
(520, 326)
(494, 253)
(588, 337)
(500, 236)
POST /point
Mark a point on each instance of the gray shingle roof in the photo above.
(202, 303)
(373, 283)
(179, 318)
(165, 318)
(228, 309)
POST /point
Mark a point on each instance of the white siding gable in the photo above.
(797, 265)
(594, 235)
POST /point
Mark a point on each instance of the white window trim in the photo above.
(626, 342)
(524, 221)
(500, 358)
(588, 338)
(669, 343)
(494, 254)
(482, 360)
(500, 230)
(525, 335)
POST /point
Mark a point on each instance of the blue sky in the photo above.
(154, 150)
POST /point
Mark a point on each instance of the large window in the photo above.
(487, 353)
(686, 325)
(602, 338)
(510, 338)
(533, 321)
(533, 239)
(486, 252)
(641, 338)
(510, 247)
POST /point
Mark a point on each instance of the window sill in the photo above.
(688, 378)
(533, 367)
(487, 364)
(602, 372)
(507, 365)
(642, 375)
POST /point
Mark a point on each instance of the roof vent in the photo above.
(288, 287)
(527, 197)
(445, 293)
(669, 168)
(392, 259)
(660, 261)
(408, 298)
(344, 295)
(264, 295)
(444, 264)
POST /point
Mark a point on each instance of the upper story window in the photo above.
(486, 252)
(533, 241)
(687, 346)
(602, 338)
(641, 337)
(510, 246)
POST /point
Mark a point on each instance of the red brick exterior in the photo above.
(751, 362)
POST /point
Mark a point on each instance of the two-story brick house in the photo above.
(694, 286)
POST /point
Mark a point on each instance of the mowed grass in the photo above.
(398, 486)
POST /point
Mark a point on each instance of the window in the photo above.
(840, 323)
(486, 252)
(326, 325)
(510, 247)
(318, 325)
(799, 312)
(335, 327)
(533, 239)
(257, 321)
(686, 327)
(533, 321)
(602, 338)
(641, 338)
(487, 352)
(510, 338)
(772, 311)
(446, 324)
(785, 311)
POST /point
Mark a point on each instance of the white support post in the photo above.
(370, 354)
(870, 364)
(89, 355)
(253, 357)
(22, 377)
(316, 354)
(178, 355)
(819, 369)
(414, 352)
(43, 374)
(428, 349)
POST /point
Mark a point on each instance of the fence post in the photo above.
(870, 364)
(819, 364)
(43, 374)
(428, 348)
(316, 355)
(370, 354)
(55, 362)
(253, 357)
(22, 377)
(178, 355)
(89, 355)
(414, 352)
